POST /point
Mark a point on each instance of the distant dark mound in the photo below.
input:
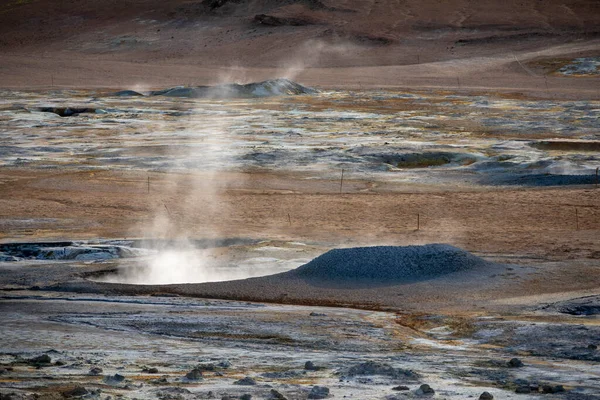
(67, 111)
(567, 145)
(388, 263)
(581, 306)
(273, 87)
(127, 93)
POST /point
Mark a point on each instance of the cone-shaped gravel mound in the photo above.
(389, 263)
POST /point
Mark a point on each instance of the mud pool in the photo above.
(419, 137)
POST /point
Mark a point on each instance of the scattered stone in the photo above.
(160, 381)
(77, 391)
(318, 392)
(374, 368)
(247, 381)
(150, 370)
(486, 396)
(316, 314)
(592, 347)
(114, 379)
(59, 363)
(310, 366)
(523, 390)
(401, 387)
(246, 397)
(276, 395)
(210, 395)
(194, 375)
(95, 371)
(424, 390)
(41, 360)
(224, 364)
(549, 389)
(515, 363)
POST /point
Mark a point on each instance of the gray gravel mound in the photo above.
(388, 263)
(273, 87)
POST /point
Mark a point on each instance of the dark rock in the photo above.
(150, 370)
(552, 389)
(224, 364)
(316, 314)
(246, 397)
(210, 395)
(114, 379)
(374, 368)
(592, 347)
(77, 391)
(318, 392)
(95, 371)
(272, 20)
(247, 381)
(401, 387)
(44, 359)
(515, 363)
(276, 395)
(194, 375)
(486, 396)
(160, 381)
(310, 366)
(59, 363)
(425, 389)
(523, 390)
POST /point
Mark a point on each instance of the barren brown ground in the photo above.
(353, 44)
(535, 229)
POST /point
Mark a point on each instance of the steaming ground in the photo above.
(137, 198)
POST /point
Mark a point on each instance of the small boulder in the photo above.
(276, 395)
(550, 389)
(310, 366)
(523, 390)
(114, 379)
(400, 388)
(77, 391)
(194, 375)
(44, 359)
(318, 392)
(246, 397)
(95, 371)
(515, 363)
(150, 370)
(247, 381)
(425, 390)
(486, 396)
(592, 347)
